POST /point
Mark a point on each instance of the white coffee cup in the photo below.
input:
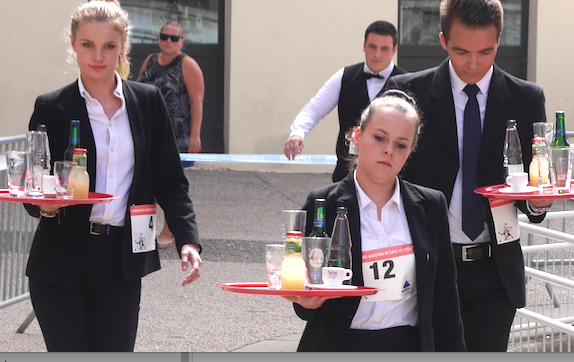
(334, 276)
(49, 185)
(518, 181)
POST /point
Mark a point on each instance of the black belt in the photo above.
(103, 230)
(471, 252)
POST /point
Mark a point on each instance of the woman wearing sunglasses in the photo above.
(180, 80)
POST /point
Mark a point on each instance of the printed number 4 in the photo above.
(151, 222)
(388, 275)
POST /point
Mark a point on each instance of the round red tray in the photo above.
(263, 289)
(492, 192)
(93, 198)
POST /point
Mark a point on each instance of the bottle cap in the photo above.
(42, 128)
(80, 150)
(294, 234)
(341, 210)
(510, 123)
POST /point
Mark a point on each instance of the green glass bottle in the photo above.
(319, 223)
(74, 140)
(560, 134)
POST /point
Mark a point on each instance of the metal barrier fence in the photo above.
(16, 230)
(545, 323)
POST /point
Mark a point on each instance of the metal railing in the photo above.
(16, 231)
(545, 323)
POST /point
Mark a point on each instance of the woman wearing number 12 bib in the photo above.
(87, 261)
(400, 244)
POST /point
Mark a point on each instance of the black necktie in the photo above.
(472, 206)
(371, 75)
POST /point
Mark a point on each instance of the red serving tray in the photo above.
(263, 289)
(493, 193)
(93, 198)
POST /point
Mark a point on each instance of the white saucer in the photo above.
(508, 190)
(323, 286)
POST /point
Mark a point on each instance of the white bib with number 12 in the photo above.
(392, 270)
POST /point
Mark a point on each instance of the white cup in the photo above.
(334, 277)
(49, 185)
(518, 181)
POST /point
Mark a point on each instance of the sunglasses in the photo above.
(174, 38)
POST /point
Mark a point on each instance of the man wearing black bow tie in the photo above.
(352, 88)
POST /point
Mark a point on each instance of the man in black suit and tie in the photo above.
(466, 102)
(352, 88)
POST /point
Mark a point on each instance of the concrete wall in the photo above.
(34, 57)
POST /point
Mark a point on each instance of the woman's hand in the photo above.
(308, 302)
(48, 208)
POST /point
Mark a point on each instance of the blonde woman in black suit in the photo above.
(85, 278)
(418, 307)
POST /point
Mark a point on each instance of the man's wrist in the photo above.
(49, 214)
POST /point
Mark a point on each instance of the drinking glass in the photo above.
(274, 255)
(16, 165)
(544, 130)
(294, 220)
(36, 163)
(315, 253)
(560, 169)
(62, 171)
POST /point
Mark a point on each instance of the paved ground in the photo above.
(238, 212)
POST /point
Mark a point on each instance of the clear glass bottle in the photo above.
(340, 253)
(48, 163)
(512, 150)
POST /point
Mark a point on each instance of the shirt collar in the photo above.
(118, 91)
(384, 73)
(459, 84)
(365, 201)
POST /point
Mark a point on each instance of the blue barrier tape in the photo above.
(271, 159)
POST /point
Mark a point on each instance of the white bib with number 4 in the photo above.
(143, 228)
(392, 270)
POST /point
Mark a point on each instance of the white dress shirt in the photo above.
(460, 98)
(328, 97)
(114, 156)
(391, 230)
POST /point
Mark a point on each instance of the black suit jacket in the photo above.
(439, 323)
(59, 242)
(435, 163)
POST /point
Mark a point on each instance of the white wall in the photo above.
(33, 57)
(281, 54)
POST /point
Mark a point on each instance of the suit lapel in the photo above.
(417, 220)
(347, 196)
(496, 115)
(441, 108)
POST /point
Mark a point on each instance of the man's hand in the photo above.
(190, 253)
(293, 147)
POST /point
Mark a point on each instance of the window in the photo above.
(199, 19)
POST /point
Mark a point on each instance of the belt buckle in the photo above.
(92, 229)
(465, 248)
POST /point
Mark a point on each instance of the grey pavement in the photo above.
(238, 212)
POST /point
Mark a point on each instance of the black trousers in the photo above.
(486, 310)
(101, 313)
(396, 339)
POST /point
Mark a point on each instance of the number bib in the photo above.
(143, 228)
(392, 270)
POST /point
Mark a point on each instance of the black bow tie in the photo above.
(371, 75)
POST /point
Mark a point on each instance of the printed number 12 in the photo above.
(388, 275)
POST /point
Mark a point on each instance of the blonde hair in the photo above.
(110, 12)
